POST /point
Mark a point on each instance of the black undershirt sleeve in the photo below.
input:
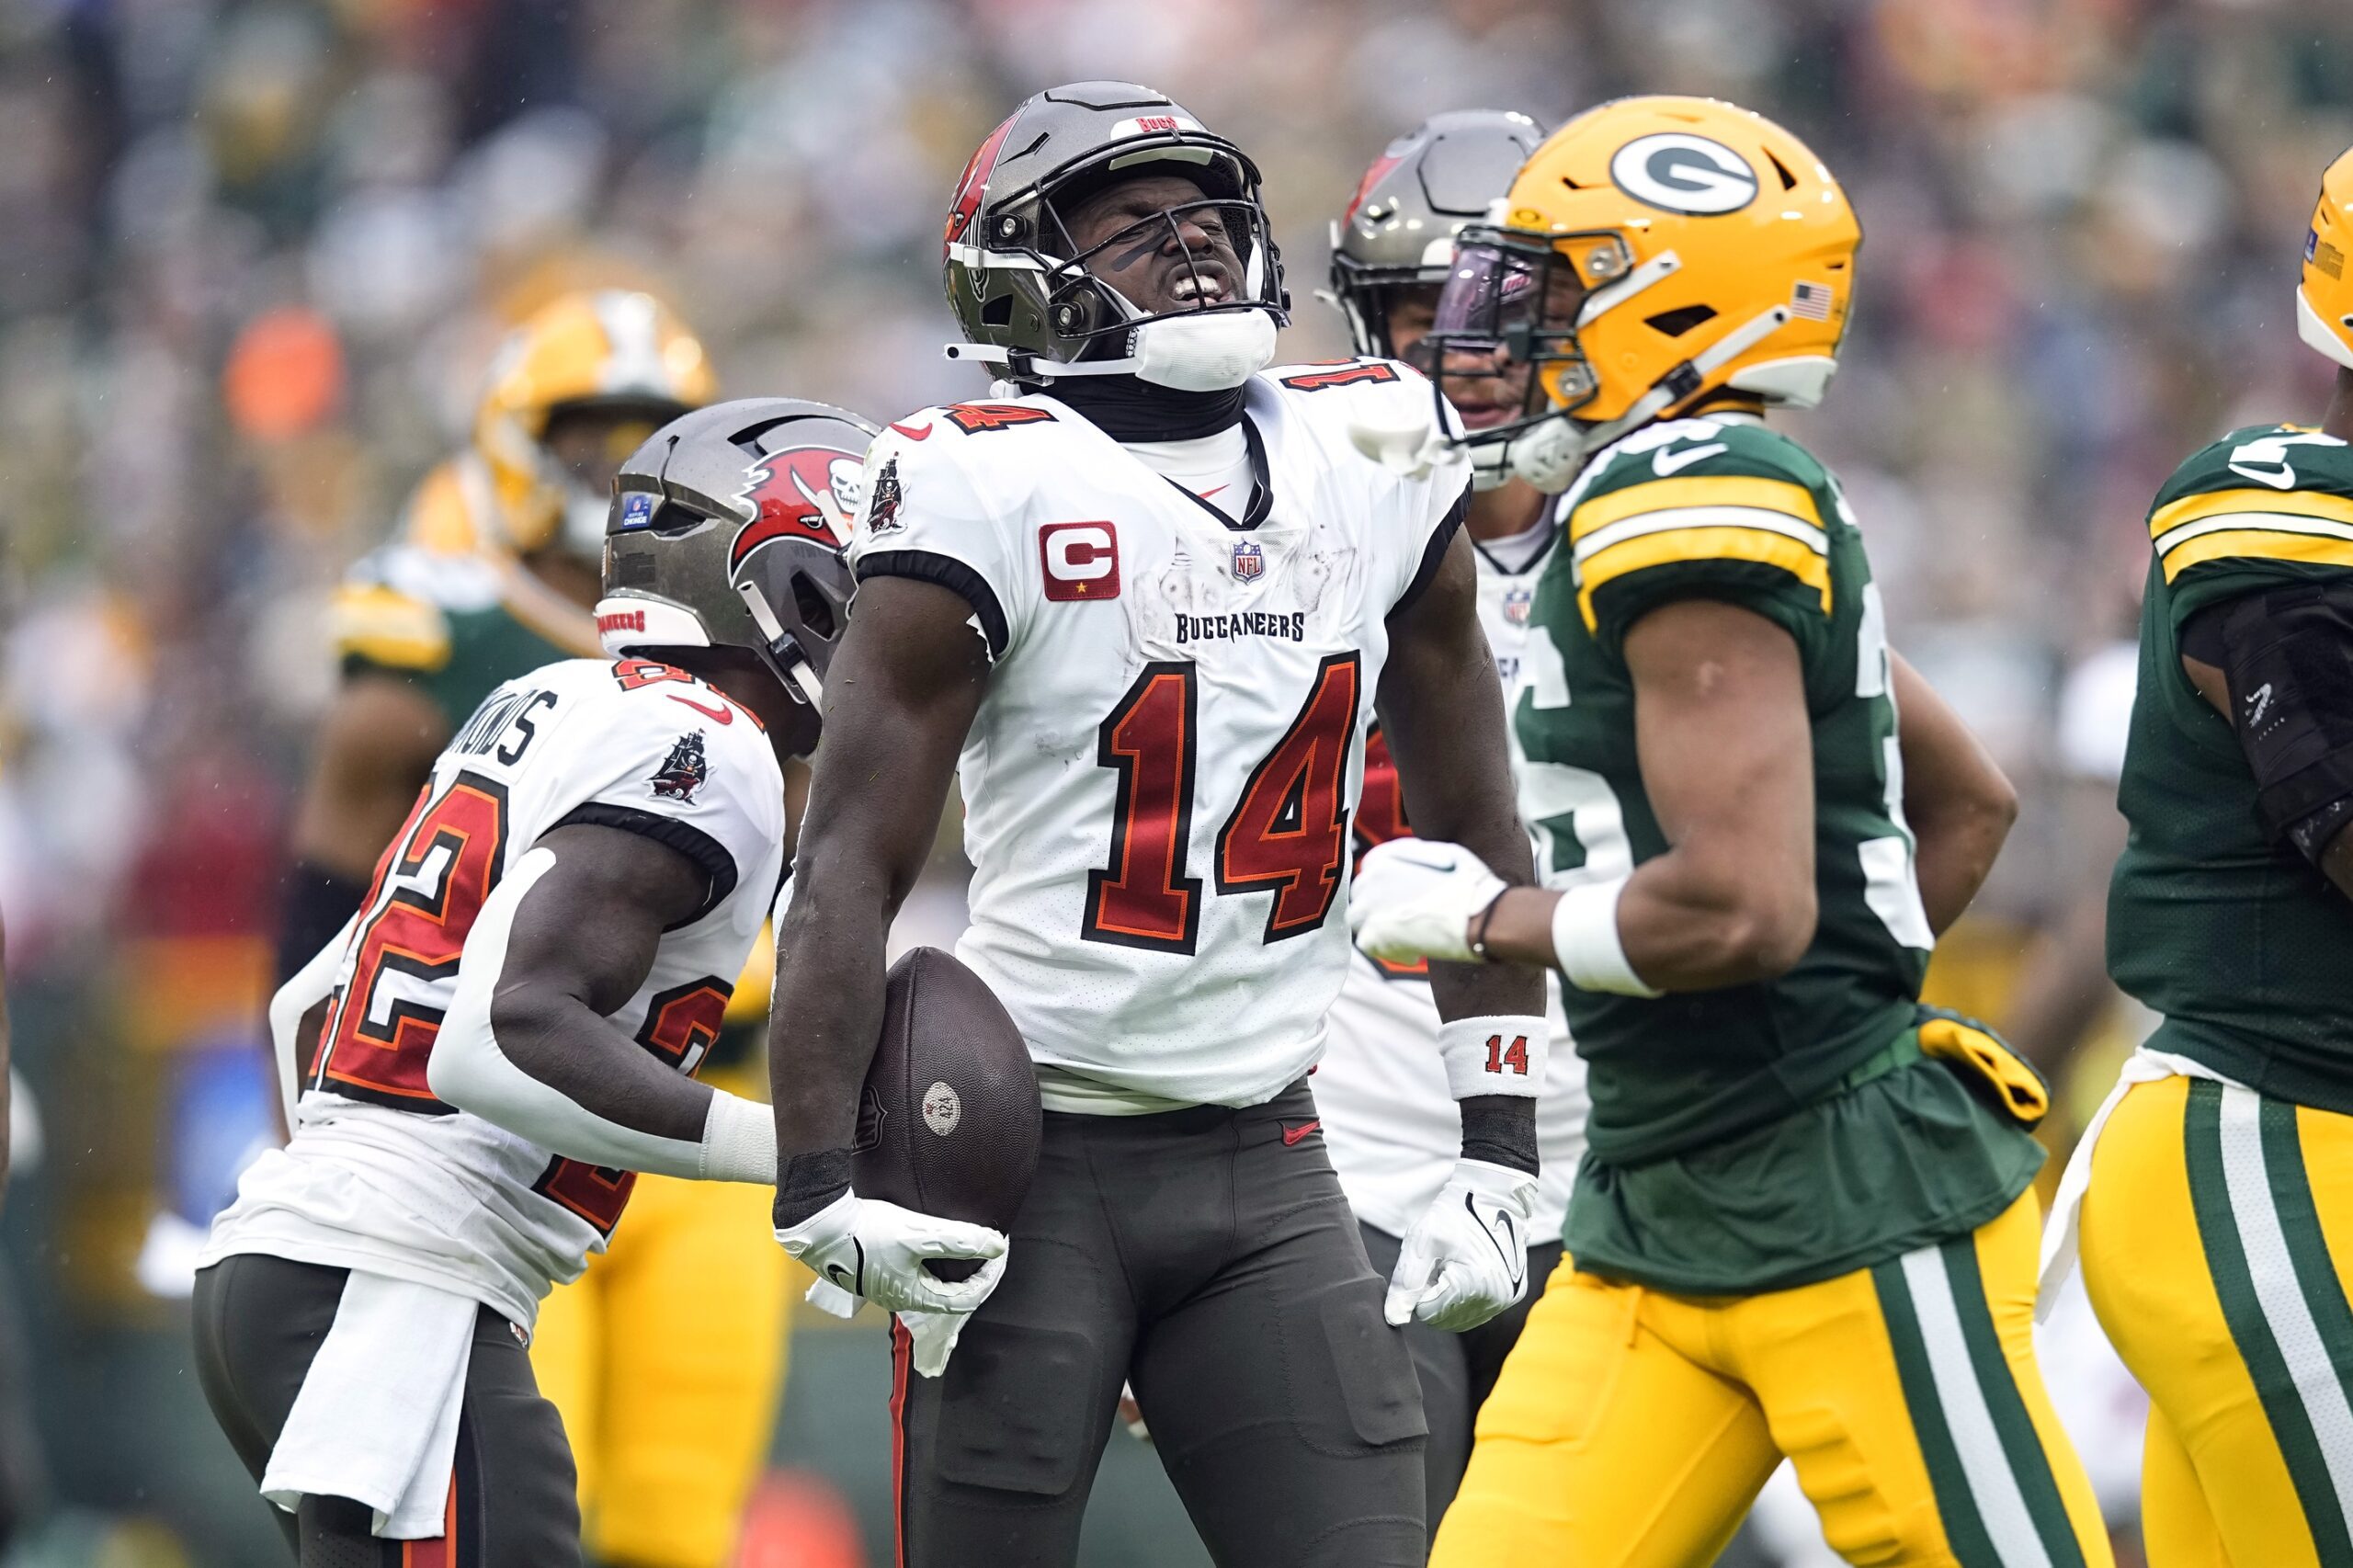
(2286, 654)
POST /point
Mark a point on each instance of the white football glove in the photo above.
(874, 1251)
(1415, 898)
(1401, 431)
(1466, 1258)
(933, 1335)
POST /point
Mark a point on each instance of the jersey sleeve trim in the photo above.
(1434, 553)
(2301, 525)
(930, 566)
(716, 865)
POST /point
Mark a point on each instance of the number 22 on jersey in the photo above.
(1287, 835)
(441, 868)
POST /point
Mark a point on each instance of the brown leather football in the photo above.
(948, 1122)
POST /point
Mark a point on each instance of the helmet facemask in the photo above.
(1514, 313)
(1032, 279)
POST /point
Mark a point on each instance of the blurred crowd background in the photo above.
(254, 255)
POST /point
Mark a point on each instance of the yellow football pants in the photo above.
(665, 1359)
(1631, 1428)
(2211, 1238)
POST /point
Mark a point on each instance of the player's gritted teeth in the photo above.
(1200, 284)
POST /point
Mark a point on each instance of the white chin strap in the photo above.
(1199, 351)
(806, 680)
(1189, 351)
(1549, 456)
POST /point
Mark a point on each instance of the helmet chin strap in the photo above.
(1549, 456)
(1184, 350)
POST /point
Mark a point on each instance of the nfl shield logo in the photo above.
(1516, 605)
(1248, 562)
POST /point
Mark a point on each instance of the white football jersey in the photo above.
(382, 1176)
(1158, 785)
(1389, 1120)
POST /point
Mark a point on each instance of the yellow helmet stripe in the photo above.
(1765, 546)
(1709, 490)
(2268, 544)
(2216, 503)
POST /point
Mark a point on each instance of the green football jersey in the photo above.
(1766, 1134)
(455, 627)
(2238, 942)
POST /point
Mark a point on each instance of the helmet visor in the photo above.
(1503, 349)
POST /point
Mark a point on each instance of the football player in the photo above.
(2219, 1174)
(1148, 596)
(1804, 1226)
(513, 1020)
(1387, 1120)
(492, 574)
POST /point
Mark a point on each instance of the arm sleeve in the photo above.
(1753, 540)
(469, 1070)
(303, 989)
(662, 765)
(923, 516)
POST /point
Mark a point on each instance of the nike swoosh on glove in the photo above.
(1466, 1258)
(1415, 898)
(875, 1251)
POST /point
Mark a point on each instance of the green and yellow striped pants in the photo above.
(2212, 1234)
(1630, 1428)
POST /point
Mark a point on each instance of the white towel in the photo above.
(2062, 1230)
(377, 1418)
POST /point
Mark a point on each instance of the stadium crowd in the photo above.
(254, 255)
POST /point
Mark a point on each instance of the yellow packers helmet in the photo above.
(1651, 252)
(607, 349)
(2324, 295)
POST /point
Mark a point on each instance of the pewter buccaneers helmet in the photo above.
(1019, 283)
(727, 529)
(1399, 229)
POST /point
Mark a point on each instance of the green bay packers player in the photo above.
(1389, 1123)
(1804, 1226)
(492, 573)
(2219, 1212)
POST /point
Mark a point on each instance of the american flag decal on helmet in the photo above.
(1810, 301)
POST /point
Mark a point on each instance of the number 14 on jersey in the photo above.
(1287, 835)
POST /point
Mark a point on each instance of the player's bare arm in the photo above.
(581, 943)
(1722, 732)
(899, 695)
(1956, 798)
(375, 749)
(903, 690)
(568, 938)
(1444, 716)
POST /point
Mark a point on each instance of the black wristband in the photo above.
(1500, 1129)
(806, 1182)
(317, 904)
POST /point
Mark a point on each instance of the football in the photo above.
(948, 1123)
